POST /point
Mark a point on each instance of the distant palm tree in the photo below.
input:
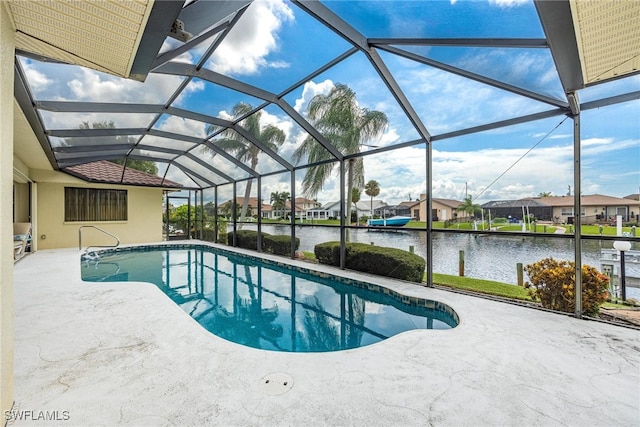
(245, 151)
(347, 126)
(469, 207)
(279, 201)
(355, 198)
(545, 194)
(372, 189)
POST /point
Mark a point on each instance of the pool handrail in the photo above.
(96, 246)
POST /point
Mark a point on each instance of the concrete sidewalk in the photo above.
(124, 354)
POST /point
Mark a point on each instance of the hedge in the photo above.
(379, 260)
(278, 245)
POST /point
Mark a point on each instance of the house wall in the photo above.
(21, 202)
(7, 50)
(443, 212)
(591, 214)
(144, 224)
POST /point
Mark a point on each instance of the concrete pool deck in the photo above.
(125, 354)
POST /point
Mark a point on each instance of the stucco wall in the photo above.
(144, 222)
(21, 202)
(6, 210)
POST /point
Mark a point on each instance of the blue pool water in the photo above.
(262, 304)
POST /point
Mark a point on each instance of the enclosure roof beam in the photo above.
(311, 130)
(97, 107)
(463, 42)
(557, 23)
(190, 172)
(168, 56)
(397, 92)
(90, 148)
(500, 124)
(332, 21)
(181, 69)
(206, 165)
(476, 77)
(631, 96)
(346, 31)
(95, 132)
(230, 158)
(205, 118)
(252, 139)
(23, 97)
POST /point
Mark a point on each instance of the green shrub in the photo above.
(328, 253)
(379, 260)
(222, 231)
(278, 245)
(499, 220)
(553, 284)
(246, 239)
(208, 235)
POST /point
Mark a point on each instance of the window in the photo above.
(94, 204)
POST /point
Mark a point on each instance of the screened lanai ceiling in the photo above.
(169, 82)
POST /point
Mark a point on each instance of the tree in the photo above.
(355, 198)
(372, 189)
(279, 201)
(146, 166)
(545, 194)
(226, 209)
(271, 136)
(469, 207)
(347, 126)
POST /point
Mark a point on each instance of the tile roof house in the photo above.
(441, 209)
(332, 209)
(106, 172)
(252, 204)
(559, 209)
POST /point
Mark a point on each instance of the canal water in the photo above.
(485, 257)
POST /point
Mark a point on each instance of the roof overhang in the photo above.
(592, 41)
(115, 37)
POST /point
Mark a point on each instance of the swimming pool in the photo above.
(267, 305)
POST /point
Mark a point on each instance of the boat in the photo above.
(394, 221)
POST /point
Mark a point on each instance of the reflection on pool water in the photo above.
(270, 306)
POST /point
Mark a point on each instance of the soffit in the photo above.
(102, 35)
(608, 37)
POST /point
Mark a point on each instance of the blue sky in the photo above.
(280, 44)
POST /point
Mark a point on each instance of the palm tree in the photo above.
(545, 194)
(279, 201)
(347, 126)
(245, 151)
(355, 198)
(469, 207)
(372, 189)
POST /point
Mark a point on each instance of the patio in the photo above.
(124, 354)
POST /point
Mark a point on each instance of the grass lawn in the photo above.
(483, 286)
(311, 256)
(606, 230)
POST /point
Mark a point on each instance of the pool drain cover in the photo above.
(276, 383)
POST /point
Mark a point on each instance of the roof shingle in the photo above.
(107, 172)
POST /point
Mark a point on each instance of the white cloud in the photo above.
(183, 126)
(508, 3)
(37, 80)
(595, 141)
(246, 49)
(89, 85)
(310, 90)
